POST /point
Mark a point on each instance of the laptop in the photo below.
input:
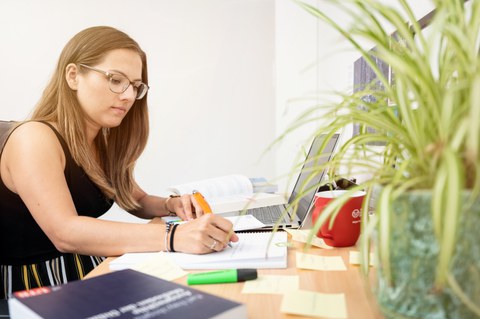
(270, 215)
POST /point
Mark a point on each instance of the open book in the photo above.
(229, 193)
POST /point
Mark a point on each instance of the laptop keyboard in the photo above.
(267, 215)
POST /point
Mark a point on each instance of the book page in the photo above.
(229, 187)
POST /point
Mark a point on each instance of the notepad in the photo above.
(160, 266)
(326, 263)
(302, 235)
(354, 258)
(271, 284)
(314, 304)
(253, 250)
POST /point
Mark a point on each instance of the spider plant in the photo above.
(426, 116)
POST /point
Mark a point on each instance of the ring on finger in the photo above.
(212, 246)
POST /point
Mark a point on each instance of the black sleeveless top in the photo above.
(22, 241)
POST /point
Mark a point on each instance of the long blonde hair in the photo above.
(119, 147)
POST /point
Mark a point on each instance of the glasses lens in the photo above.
(142, 89)
(118, 83)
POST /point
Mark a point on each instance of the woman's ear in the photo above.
(71, 75)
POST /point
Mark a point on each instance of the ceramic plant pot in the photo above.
(413, 258)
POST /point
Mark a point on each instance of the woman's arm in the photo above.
(184, 206)
(33, 167)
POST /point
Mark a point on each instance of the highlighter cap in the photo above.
(246, 274)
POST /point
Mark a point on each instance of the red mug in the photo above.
(346, 227)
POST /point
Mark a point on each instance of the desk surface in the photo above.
(360, 301)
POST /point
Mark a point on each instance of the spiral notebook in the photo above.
(253, 250)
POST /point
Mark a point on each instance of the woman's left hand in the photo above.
(185, 206)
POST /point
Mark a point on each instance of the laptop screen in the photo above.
(313, 159)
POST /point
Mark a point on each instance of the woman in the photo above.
(74, 158)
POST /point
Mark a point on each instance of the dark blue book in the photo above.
(122, 294)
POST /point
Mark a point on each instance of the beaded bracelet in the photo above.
(166, 202)
(171, 238)
(167, 230)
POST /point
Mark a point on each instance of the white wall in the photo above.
(227, 76)
(211, 68)
(312, 61)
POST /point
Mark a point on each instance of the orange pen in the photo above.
(205, 207)
(202, 202)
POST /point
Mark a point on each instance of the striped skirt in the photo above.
(68, 267)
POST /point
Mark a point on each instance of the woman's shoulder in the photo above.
(32, 148)
(33, 135)
(34, 129)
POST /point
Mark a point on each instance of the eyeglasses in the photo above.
(119, 83)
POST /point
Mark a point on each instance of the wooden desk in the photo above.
(360, 301)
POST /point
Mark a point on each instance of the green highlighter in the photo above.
(222, 276)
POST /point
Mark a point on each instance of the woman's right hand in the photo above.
(203, 235)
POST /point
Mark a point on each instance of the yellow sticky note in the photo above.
(271, 284)
(354, 258)
(160, 266)
(301, 235)
(328, 263)
(314, 304)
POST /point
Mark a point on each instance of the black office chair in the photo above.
(4, 314)
(5, 127)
